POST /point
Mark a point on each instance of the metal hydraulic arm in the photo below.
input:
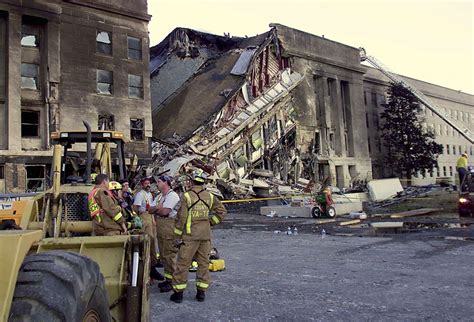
(461, 128)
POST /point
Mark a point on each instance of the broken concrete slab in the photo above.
(350, 222)
(416, 212)
(343, 208)
(387, 224)
(384, 188)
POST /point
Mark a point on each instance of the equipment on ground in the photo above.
(324, 206)
(459, 127)
(45, 276)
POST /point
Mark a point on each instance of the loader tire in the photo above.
(59, 286)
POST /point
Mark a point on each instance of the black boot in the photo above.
(154, 274)
(177, 297)
(200, 295)
(161, 284)
(166, 287)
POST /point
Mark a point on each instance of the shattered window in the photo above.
(30, 123)
(106, 122)
(104, 42)
(29, 76)
(137, 129)
(135, 86)
(35, 177)
(104, 82)
(134, 48)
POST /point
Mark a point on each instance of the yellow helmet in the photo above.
(199, 175)
(114, 185)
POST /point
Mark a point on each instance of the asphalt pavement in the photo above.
(307, 277)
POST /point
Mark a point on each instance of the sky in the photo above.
(430, 40)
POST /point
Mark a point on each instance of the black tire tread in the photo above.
(55, 286)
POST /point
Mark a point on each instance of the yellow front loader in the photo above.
(54, 269)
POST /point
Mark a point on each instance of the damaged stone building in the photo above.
(285, 101)
(64, 61)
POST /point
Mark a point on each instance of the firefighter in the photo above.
(193, 236)
(106, 213)
(143, 205)
(132, 222)
(167, 205)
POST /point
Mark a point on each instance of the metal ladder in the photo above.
(461, 128)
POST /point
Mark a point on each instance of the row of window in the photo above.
(104, 45)
(459, 149)
(105, 84)
(31, 38)
(30, 125)
(438, 172)
(457, 115)
(105, 81)
(444, 130)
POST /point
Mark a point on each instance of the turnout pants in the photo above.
(168, 251)
(149, 228)
(199, 249)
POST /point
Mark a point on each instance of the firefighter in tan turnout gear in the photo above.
(198, 212)
(106, 213)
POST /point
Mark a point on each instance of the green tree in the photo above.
(411, 148)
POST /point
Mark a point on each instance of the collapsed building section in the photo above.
(282, 104)
(235, 111)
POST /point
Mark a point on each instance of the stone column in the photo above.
(14, 82)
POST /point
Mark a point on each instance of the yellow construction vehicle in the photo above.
(53, 269)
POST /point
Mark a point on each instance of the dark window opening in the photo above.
(317, 143)
(330, 83)
(104, 42)
(104, 82)
(368, 143)
(134, 48)
(444, 171)
(331, 140)
(367, 119)
(454, 150)
(106, 122)
(137, 129)
(135, 86)
(2, 172)
(447, 149)
(374, 99)
(29, 76)
(30, 123)
(35, 177)
(365, 98)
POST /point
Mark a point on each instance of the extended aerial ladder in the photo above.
(461, 128)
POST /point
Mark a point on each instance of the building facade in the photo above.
(62, 62)
(327, 127)
(459, 105)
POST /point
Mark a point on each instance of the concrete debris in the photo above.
(384, 188)
(350, 222)
(416, 212)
